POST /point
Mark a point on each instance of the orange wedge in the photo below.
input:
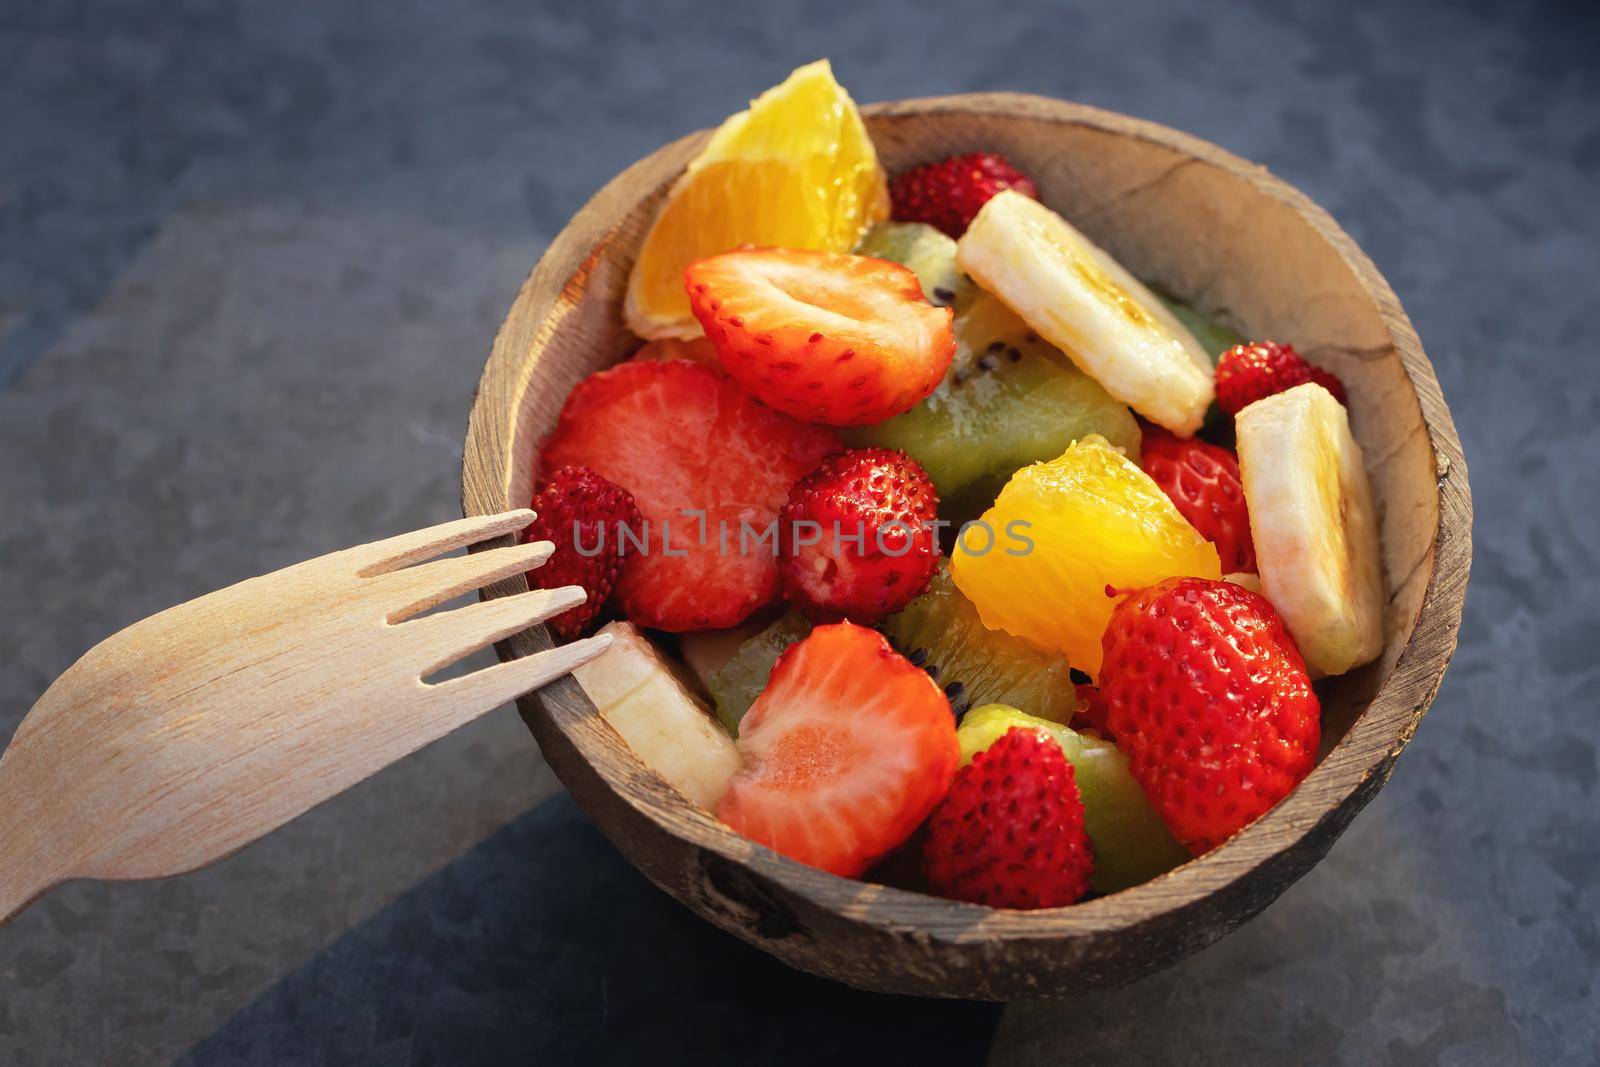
(1060, 533)
(796, 170)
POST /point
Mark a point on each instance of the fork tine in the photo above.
(451, 635)
(391, 554)
(472, 694)
(435, 582)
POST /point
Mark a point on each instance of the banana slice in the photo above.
(1314, 525)
(1245, 580)
(656, 714)
(1082, 301)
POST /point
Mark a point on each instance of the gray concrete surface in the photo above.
(251, 258)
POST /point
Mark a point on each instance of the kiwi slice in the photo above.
(1009, 399)
(1216, 339)
(927, 252)
(735, 686)
(940, 631)
(1213, 336)
(1131, 842)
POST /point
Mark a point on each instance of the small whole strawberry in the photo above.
(856, 537)
(1248, 372)
(1203, 481)
(580, 513)
(949, 193)
(1010, 831)
(1208, 696)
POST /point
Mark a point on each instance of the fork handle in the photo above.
(25, 873)
(17, 891)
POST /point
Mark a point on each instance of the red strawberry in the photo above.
(1203, 481)
(845, 752)
(1248, 372)
(1210, 699)
(858, 540)
(947, 194)
(709, 468)
(1010, 832)
(825, 337)
(582, 514)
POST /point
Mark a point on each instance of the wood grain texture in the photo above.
(1216, 230)
(186, 736)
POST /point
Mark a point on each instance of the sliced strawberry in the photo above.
(846, 751)
(826, 337)
(583, 515)
(705, 463)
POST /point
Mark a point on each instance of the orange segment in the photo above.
(1061, 532)
(796, 170)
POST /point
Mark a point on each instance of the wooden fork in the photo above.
(186, 736)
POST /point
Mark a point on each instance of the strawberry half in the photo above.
(948, 194)
(1208, 696)
(846, 751)
(1010, 834)
(858, 539)
(1203, 481)
(708, 466)
(583, 515)
(1246, 373)
(824, 337)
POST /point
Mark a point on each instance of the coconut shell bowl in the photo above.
(1183, 215)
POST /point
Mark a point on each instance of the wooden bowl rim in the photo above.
(1368, 747)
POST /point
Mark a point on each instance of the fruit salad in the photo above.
(938, 548)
